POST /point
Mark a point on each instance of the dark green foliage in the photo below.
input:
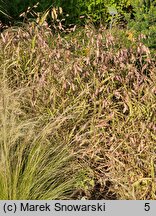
(10, 11)
(145, 21)
(96, 11)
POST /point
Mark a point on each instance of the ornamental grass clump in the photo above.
(34, 162)
(90, 94)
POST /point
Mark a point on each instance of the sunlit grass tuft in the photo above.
(34, 162)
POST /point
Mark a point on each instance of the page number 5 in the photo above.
(147, 207)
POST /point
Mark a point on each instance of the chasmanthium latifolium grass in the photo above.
(91, 93)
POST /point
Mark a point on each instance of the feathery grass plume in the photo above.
(33, 163)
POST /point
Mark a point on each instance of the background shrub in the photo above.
(145, 21)
(95, 10)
